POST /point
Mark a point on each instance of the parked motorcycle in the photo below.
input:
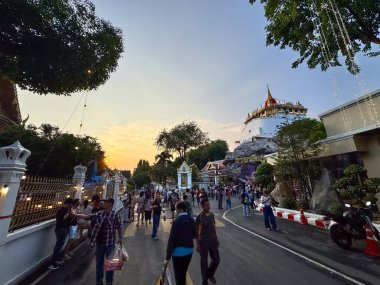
(352, 225)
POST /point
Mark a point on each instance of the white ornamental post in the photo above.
(104, 182)
(179, 180)
(116, 190)
(189, 180)
(78, 180)
(12, 169)
(124, 184)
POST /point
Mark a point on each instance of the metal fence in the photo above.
(91, 189)
(38, 200)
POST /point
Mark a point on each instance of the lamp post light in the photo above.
(76, 154)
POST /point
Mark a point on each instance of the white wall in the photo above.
(25, 250)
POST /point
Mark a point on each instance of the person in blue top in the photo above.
(180, 243)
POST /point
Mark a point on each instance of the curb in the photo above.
(292, 215)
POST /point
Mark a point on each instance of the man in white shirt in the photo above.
(269, 220)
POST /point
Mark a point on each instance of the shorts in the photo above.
(73, 232)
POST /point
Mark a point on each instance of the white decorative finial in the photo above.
(80, 171)
(14, 156)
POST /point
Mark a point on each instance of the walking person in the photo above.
(127, 207)
(189, 209)
(220, 199)
(245, 200)
(180, 244)
(198, 195)
(63, 220)
(173, 200)
(84, 224)
(132, 208)
(73, 231)
(207, 243)
(156, 208)
(269, 220)
(193, 197)
(228, 198)
(107, 233)
(148, 209)
(140, 208)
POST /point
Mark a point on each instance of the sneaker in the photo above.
(155, 238)
(212, 279)
(268, 229)
(53, 267)
(59, 262)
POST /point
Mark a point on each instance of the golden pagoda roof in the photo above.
(272, 107)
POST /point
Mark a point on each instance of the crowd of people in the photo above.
(103, 225)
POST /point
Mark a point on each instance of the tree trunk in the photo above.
(9, 107)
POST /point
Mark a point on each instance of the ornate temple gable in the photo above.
(184, 168)
(9, 106)
(274, 107)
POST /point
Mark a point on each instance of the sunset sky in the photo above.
(204, 61)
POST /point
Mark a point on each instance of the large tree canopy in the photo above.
(215, 150)
(181, 138)
(323, 31)
(56, 46)
(54, 153)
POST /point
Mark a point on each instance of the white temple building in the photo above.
(264, 121)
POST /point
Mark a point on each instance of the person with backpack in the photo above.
(246, 201)
(180, 244)
(140, 208)
(189, 210)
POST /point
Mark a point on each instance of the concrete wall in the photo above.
(334, 122)
(371, 159)
(25, 250)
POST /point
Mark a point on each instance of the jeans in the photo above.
(156, 223)
(190, 212)
(61, 235)
(246, 210)
(228, 202)
(269, 218)
(180, 265)
(207, 270)
(103, 251)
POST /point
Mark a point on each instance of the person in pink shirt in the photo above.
(228, 194)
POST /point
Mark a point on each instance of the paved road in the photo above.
(297, 254)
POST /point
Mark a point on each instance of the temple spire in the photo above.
(269, 95)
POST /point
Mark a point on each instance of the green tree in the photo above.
(163, 168)
(215, 150)
(56, 46)
(323, 31)
(141, 174)
(54, 154)
(181, 138)
(297, 148)
(355, 186)
(264, 176)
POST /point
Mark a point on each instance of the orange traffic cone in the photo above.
(303, 219)
(373, 246)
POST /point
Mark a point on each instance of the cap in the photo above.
(109, 200)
